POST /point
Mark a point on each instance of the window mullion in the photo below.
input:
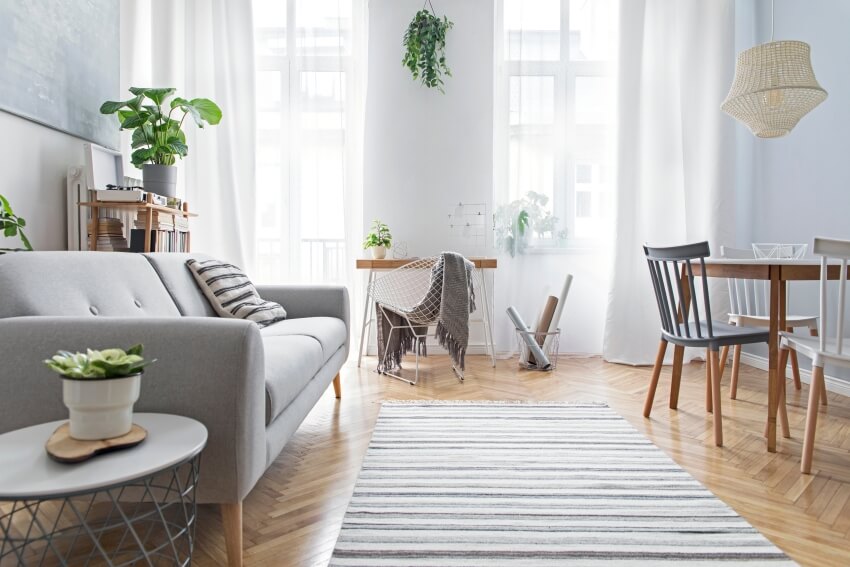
(564, 198)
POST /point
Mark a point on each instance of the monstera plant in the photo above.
(12, 225)
(156, 120)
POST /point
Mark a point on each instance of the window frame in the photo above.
(563, 129)
(290, 65)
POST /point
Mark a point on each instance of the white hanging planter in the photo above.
(100, 408)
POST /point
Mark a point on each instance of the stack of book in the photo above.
(169, 233)
(110, 235)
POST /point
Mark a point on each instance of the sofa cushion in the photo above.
(82, 284)
(291, 362)
(295, 351)
(178, 280)
(330, 332)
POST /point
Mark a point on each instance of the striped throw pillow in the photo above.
(232, 294)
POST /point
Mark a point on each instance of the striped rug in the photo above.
(478, 483)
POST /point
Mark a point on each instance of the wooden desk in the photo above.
(374, 265)
(778, 273)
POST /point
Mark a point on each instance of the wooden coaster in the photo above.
(63, 448)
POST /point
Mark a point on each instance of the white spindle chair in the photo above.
(748, 300)
(820, 349)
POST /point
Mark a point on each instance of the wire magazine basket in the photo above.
(548, 342)
(775, 251)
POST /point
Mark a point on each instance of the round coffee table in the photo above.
(136, 504)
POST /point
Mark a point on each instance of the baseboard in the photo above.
(833, 384)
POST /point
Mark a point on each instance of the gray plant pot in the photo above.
(160, 179)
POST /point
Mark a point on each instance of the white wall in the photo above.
(34, 164)
(800, 184)
(425, 152)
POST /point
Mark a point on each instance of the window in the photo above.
(555, 110)
(303, 59)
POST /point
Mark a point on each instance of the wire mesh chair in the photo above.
(412, 292)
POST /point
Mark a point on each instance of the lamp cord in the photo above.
(772, 18)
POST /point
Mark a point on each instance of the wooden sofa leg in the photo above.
(231, 519)
(337, 386)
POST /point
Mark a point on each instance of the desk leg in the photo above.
(95, 213)
(773, 356)
(488, 327)
(367, 318)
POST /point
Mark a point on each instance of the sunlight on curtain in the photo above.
(310, 67)
(677, 156)
(555, 116)
(555, 132)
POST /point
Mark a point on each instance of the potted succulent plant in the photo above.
(158, 137)
(378, 239)
(99, 387)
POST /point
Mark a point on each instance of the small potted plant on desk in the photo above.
(99, 387)
(378, 239)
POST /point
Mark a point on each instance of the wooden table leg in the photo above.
(94, 228)
(148, 229)
(773, 357)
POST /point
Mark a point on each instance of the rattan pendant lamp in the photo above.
(774, 86)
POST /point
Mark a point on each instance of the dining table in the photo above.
(777, 272)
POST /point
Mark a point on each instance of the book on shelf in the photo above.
(110, 235)
(161, 240)
(162, 221)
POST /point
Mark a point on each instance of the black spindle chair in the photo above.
(676, 293)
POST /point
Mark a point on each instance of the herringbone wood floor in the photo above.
(293, 515)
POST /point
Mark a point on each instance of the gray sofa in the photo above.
(251, 387)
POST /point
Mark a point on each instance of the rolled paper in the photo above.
(556, 319)
(544, 321)
(528, 338)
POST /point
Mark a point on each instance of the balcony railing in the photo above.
(321, 260)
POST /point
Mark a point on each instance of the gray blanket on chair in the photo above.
(448, 302)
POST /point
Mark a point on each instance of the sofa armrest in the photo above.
(310, 300)
(208, 369)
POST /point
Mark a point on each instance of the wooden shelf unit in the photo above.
(138, 206)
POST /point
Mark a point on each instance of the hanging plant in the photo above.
(425, 48)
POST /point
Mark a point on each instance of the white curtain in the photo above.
(205, 49)
(311, 71)
(676, 159)
(554, 123)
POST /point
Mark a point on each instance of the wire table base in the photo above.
(147, 521)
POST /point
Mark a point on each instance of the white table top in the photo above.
(27, 471)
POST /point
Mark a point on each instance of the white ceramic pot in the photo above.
(379, 252)
(100, 408)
